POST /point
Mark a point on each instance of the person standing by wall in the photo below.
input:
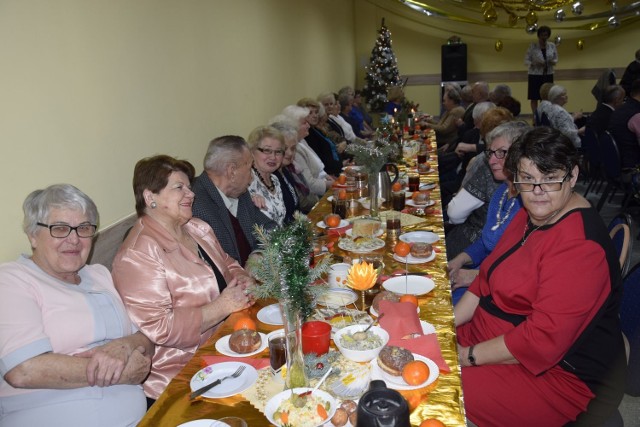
(541, 57)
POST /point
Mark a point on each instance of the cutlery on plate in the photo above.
(208, 387)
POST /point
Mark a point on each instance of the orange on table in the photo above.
(342, 179)
(402, 249)
(245, 323)
(397, 186)
(342, 195)
(409, 298)
(332, 220)
(415, 372)
(432, 422)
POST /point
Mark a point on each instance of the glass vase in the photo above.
(374, 195)
(292, 319)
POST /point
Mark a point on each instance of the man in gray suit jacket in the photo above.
(222, 199)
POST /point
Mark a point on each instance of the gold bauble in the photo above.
(498, 45)
(491, 15)
(531, 18)
(580, 44)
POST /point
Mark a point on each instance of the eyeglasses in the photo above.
(498, 153)
(269, 151)
(547, 187)
(60, 231)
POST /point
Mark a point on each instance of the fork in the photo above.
(208, 387)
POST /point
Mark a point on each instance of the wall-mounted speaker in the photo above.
(454, 62)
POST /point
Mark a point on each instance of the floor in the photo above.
(630, 407)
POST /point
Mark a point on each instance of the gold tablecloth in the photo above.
(443, 401)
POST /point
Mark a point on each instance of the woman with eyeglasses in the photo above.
(503, 206)
(69, 355)
(267, 147)
(538, 331)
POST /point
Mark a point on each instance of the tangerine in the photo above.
(332, 220)
(415, 372)
(402, 249)
(409, 298)
(245, 323)
(342, 195)
(432, 422)
(397, 186)
(342, 179)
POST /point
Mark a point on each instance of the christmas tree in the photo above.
(382, 71)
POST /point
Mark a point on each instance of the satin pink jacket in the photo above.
(163, 285)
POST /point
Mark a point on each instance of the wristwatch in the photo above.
(470, 357)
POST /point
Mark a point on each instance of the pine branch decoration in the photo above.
(284, 271)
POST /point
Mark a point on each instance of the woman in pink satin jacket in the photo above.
(175, 280)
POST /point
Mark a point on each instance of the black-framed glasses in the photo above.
(500, 153)
(269, 151)
(60, 231)
(547, 187)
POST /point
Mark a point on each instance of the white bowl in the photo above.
(360, 355)
(275, 401)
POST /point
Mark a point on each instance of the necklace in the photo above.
(526, 236)
(499, 218)
(271, 187)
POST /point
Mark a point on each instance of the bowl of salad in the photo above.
(360, 346)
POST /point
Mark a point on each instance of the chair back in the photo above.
(610, 156)
(630, 321)
(591, 146)
(620, 230)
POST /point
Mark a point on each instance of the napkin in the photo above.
(400, 320)
(256, 363)
(341, 231)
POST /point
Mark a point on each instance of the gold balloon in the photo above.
(491, 15)
(580, 44)
(498, 45)
(531, 18)
(513, 20)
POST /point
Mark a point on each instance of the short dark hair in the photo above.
(546, 147)
(544, 29)
(152, 173)
(612, 93)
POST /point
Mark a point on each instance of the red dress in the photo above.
(555, 299)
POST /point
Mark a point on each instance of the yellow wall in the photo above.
(89, 87)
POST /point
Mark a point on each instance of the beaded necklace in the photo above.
(499, 218)
(271, 187)
(526, 236)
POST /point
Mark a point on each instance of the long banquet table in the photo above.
(442, 400)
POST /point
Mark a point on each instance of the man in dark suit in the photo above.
(631, 73)
(612, 99)
(222, 199)
(624, 126)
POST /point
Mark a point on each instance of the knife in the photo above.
(204, 389)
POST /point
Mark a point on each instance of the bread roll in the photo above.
(245, 341)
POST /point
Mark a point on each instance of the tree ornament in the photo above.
(560, 15)
(531, 29)
(577, 8)
(531, 18)
(491, 15)
(580, 44)
(557, 40)
(498, 46)
(613, 22)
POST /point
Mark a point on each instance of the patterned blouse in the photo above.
(275, 202)
(539, 63)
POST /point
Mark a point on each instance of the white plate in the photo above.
(222, 345)
(410, 202)
(398, 383)
(420, 237)
(230, 386)
(337, 297)
(415, 170)
(373, 312)
(343, 223)
(414, 285)
(362, 246)
(410, 259)
(424, 187)
(427, 328)
(275, 401)
(330, 199)
(379, 233)
(204, 423)
(366, 203)
(271, 315)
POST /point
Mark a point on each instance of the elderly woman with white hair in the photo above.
(306, 161)
(561, 119)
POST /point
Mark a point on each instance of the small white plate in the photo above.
(343, 223)
(427, 328)
(362, 246)
(275, 401)
(337, 297)
(330, 199)
(398, 383)
(204, 423)
(271, 315)
(379, 233)
(410, 202)
(410, 259)
(222, 345)
(420, 237)
(366, 203)
(411, 284)
(230, 386)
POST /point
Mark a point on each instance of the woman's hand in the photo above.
(109, 361)
(259, 201)
(235, 296)
(328, 181)
(341, 147)
(137, 367)
(462, 278)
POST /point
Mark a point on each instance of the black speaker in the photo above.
(454, 62)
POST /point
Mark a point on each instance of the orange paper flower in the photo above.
(362, 276)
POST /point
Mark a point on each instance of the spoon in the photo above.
(362, 335)
(324, 377)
